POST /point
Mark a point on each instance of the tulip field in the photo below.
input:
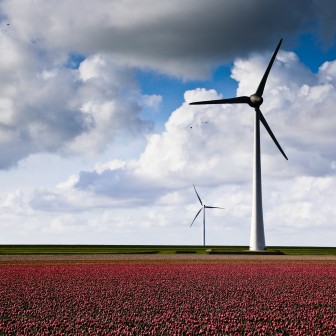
(200, 298)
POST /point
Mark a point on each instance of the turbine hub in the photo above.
(255, 100)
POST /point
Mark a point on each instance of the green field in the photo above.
(160, 249)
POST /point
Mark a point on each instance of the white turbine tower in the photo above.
(257, 240)
(202, 208)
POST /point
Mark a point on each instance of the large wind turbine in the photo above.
(202, 208)
(257, 239)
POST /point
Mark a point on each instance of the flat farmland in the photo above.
(167, 295)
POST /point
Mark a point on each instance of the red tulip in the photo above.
(174, 299)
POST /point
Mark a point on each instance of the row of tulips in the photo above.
(181, 299)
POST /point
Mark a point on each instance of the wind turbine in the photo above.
(202, 208)
(257, 238)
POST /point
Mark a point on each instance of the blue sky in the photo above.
(100, 146)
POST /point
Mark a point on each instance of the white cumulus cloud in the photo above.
(211, 146)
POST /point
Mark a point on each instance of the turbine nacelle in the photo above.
(255, 100)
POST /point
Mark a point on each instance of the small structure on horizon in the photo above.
(202, 208)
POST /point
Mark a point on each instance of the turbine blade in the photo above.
(199, 198)
(261, 86)
(212, 207)
(236, 100)
(196, 216)
(264, 122)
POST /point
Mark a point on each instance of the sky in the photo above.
(99, 144)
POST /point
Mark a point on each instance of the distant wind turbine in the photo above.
(202, 208)
(257, 239)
